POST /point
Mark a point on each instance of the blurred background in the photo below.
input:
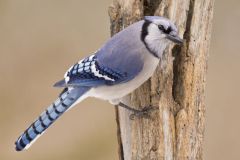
(40, 40)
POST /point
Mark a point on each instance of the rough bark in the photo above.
(176, 130)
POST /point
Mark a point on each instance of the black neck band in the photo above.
(144, 34)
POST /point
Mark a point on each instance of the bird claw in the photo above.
(144, 113)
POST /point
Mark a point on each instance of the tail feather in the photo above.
(65, 100)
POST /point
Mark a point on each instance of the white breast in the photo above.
(112, 93)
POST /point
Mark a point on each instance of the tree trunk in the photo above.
(176, 130)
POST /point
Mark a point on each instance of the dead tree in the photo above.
(176, 130)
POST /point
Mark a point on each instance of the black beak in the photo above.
(175, 39)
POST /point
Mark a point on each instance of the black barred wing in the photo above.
(88, 72)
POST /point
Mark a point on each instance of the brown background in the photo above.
(39, 40)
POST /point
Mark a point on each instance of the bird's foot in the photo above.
(144, 113)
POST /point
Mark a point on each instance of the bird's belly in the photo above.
(120, 90)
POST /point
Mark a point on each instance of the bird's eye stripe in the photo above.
(168, 30)
(162, 28)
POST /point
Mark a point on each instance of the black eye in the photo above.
(166, 31)
(161, 27)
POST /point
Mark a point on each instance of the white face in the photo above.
(156, 40)
(161, 32)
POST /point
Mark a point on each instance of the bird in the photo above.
(120, 66)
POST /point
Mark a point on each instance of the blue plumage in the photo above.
(52, 113)
(89, 72)
(125, 62)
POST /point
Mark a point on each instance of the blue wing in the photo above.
(89, 72)
(118, 61)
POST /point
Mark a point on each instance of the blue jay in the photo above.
(125, 62)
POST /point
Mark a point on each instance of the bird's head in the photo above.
(158, 32)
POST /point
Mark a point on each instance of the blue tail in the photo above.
(65, 100)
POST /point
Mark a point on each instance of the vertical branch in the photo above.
(176, 130)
